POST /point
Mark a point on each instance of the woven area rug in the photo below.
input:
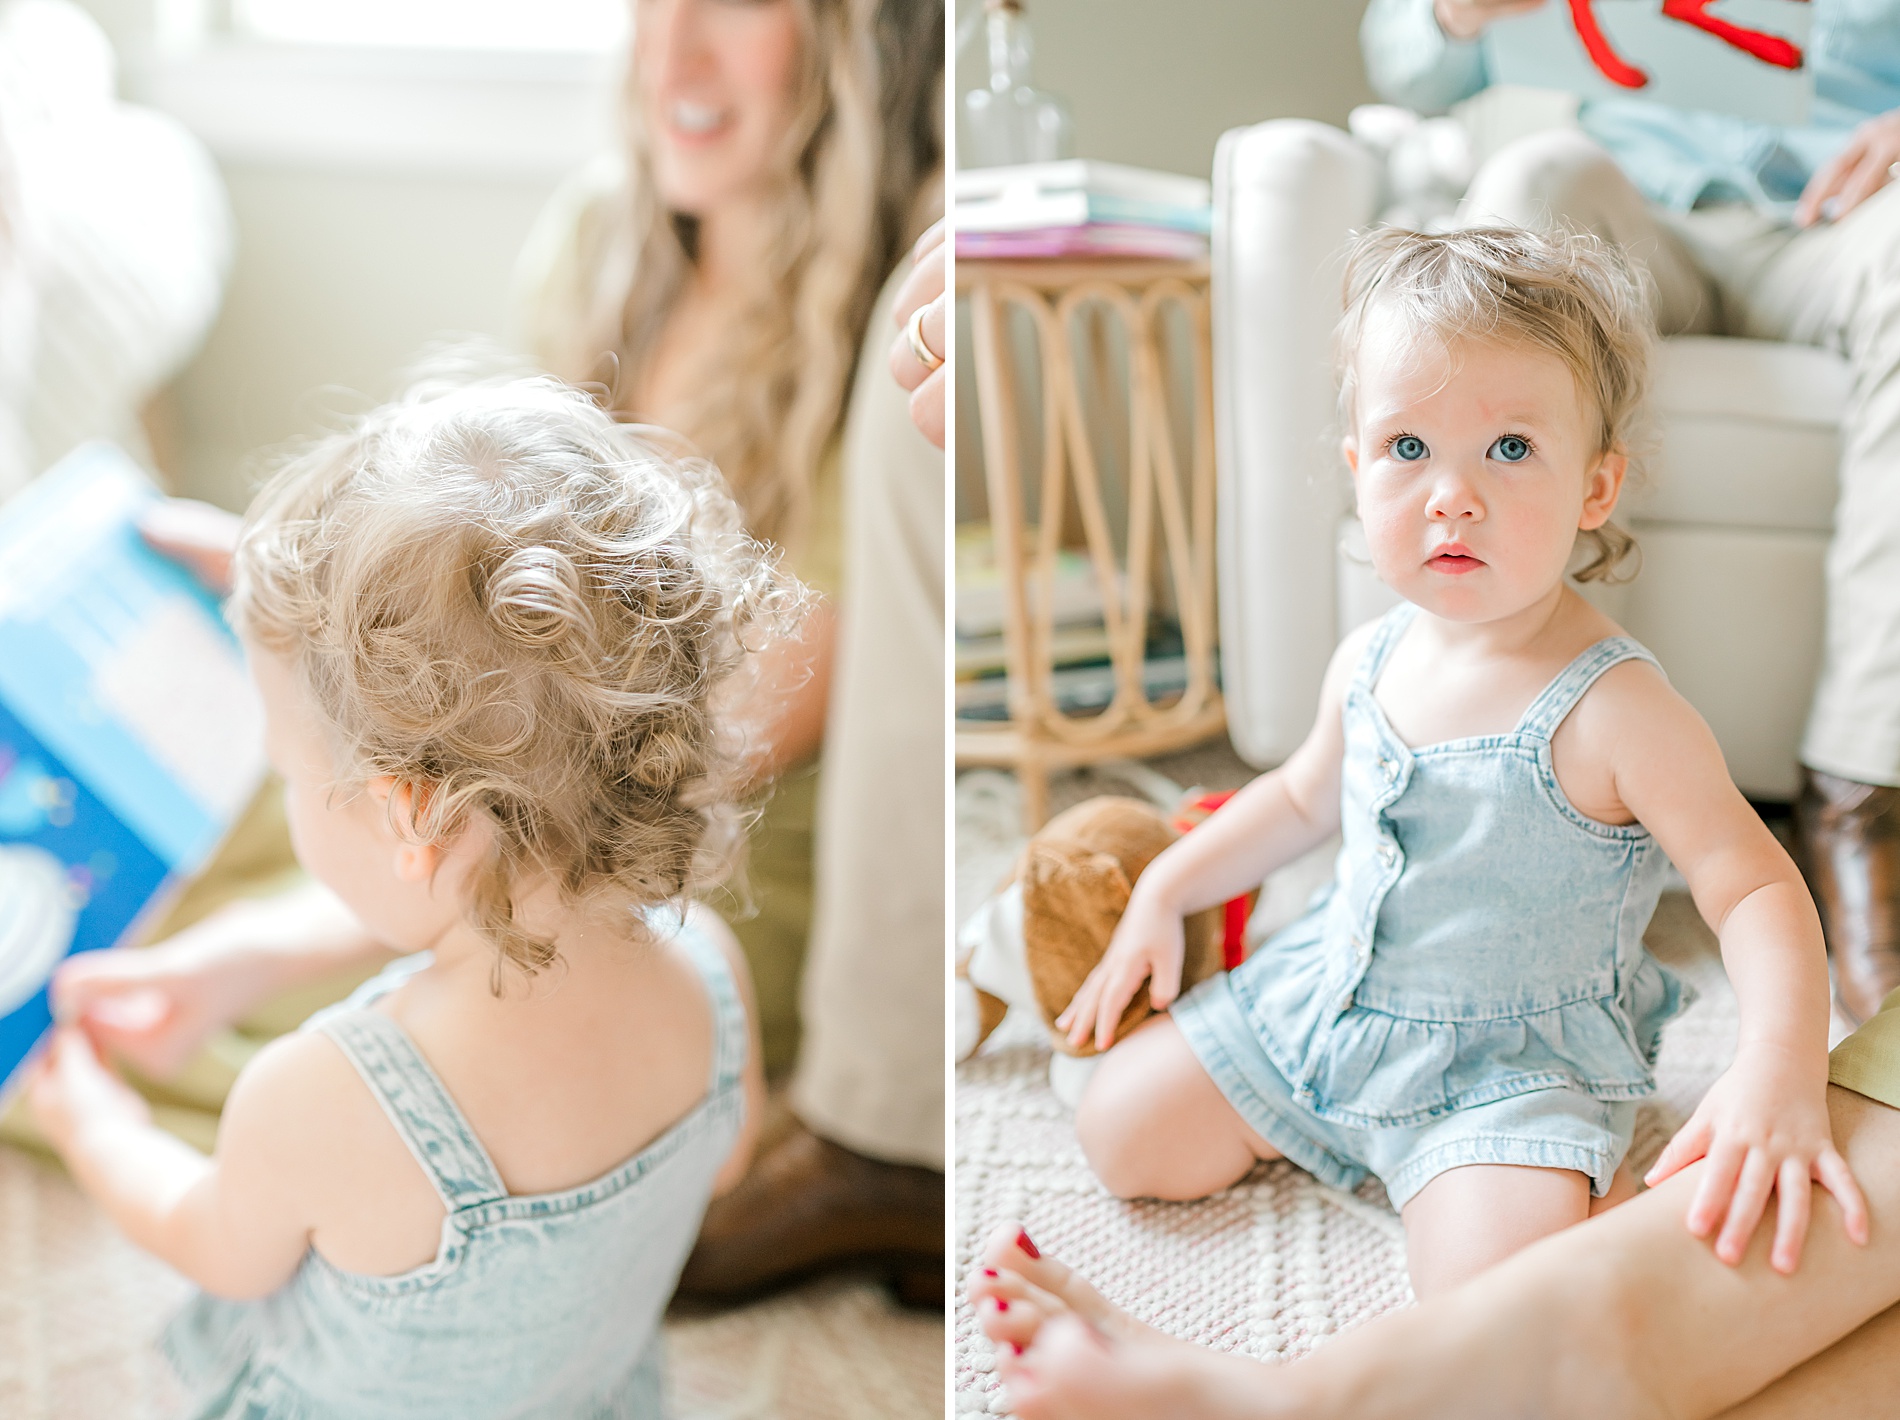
(1272, 1266)
(79, 1307)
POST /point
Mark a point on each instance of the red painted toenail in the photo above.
(1023, 1242)
(989, 1271)
(1017, 1347)
(1001, 1305)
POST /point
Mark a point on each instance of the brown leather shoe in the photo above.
(1847, 837)
(809, 1206)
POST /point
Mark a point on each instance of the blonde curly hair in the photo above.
(1565, 292)
(852, 186)
(500, 598)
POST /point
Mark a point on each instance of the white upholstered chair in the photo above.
(1732, 519)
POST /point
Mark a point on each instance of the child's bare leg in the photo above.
(1622, 1189)
(1472, 1218)
(1154, 1125)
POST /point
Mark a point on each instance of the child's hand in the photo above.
(1148, 945)
(72, 1088)
(1762, 1128)
(156, 1006)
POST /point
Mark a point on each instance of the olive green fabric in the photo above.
(1868, 1061)
(770, 913)
(773, 915)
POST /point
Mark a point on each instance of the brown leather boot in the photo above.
(1847, 837)
(809, 1206)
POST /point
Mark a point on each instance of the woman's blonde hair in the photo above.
(527, 613)
(864, 138)
(1564, 292)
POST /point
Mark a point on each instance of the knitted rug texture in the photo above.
(1271, 1267)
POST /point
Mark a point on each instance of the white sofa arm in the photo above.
(1286, 193)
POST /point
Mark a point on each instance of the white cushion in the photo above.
(1746, 435)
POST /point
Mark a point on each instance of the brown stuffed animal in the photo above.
(1076, 874)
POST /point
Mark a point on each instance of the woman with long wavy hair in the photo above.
(719, 276)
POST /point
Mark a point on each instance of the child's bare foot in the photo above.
(1063, 1350)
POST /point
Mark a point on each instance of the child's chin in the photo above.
(1455, 599)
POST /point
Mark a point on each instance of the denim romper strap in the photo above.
(1560, 697)
(419, 1105)
(433, 1126)
(1555, 701)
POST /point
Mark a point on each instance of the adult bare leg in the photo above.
(1624, 1315)
(1857, 1376)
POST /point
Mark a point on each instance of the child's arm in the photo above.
(1763, 1127)
(238, 1224)
(156, 1005)
(1279, 816)
(736, 1164)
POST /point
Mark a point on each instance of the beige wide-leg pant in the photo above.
(871, 1066)
(1734, 271)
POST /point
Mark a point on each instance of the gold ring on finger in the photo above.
(914, 328)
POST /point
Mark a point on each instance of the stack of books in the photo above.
(1082, 680)
(1081, 208)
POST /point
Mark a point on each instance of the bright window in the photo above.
(569, 25)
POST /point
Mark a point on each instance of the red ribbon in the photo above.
(1769, 49)
(1233, 942)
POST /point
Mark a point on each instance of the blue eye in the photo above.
(1509, 449)
(1409, 448)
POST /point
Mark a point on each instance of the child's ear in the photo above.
(1349, 447)
(414, 862)
(1606, 486)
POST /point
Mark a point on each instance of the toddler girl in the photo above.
(497, 639)
(1469, 1012)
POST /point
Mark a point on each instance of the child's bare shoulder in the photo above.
(295, 1082)
(300, 1108)
(1631, 706)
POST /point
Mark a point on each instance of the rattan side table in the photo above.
(1081, 314)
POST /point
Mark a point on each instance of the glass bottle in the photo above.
(1011, 121)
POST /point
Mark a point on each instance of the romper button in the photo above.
(1387, 853)
(1345, 1003)
(1391, 769)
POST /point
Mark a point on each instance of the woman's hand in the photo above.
(72, 1089)
(1763, 1128)
(202, 537)
(923, 290)
(1148, 945)
(1854, 174)
(1466, 19)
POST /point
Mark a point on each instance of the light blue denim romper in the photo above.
(540, 1307)
(1473, 987)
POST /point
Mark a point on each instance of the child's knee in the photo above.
(1124, 1123)
(1114, 1128)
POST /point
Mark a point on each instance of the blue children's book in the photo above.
(130, 735)
(1741, 57)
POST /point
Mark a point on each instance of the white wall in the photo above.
(1156, 82)
(381, 196)
(341, 278)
